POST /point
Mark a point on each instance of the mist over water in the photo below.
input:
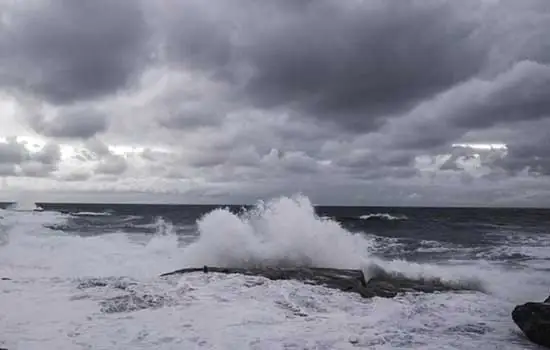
(47, 256)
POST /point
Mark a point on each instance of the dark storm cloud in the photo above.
(350, 62)
(528, 151)
(523, 93)
(65, 51)
(273, 97)
(72, 123)
(520, 94)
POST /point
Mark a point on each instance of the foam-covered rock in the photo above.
(381, 284)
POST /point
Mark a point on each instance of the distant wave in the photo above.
(90, 213)
(24, 206)
(382, 216)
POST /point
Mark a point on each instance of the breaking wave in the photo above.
(282, 232)
(91, 213)
(286, 232)
(383, 216)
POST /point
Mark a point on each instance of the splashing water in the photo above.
(286, 232)
(283, 232)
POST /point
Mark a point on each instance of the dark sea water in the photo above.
(49, 254)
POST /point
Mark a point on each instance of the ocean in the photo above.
(86, 276)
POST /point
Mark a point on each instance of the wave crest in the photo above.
(383, 216)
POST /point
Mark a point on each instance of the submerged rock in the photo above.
(534, 320)
(382, 284)
(113, 282)
(133, 302)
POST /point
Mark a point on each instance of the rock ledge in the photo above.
(382, 284)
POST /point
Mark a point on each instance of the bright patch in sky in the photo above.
(68, 151)
(482, 146)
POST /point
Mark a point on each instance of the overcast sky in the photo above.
(374, 102)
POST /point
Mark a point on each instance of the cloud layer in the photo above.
(355, 102)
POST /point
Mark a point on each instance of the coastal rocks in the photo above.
(534, 320)
(381, 284)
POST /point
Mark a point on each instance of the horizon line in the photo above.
(51, 204)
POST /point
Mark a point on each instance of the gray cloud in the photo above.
(112, 165)
(528, 149)
(12, 152)
(77, 176)
(106, 162)
(7, 169)
(65, 51)
(72, 123)
(16, 159)
(345, 63)
(97, 148)
(50, 154)
(517, 95)
(248, 99)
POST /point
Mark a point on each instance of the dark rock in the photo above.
(534, 320)
(5, 279)
(382, 284)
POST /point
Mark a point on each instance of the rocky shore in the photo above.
(533, 318)
(380, 283)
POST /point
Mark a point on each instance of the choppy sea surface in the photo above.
(79, 276)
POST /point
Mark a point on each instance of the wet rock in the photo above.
(381, 284)
(534, 320)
